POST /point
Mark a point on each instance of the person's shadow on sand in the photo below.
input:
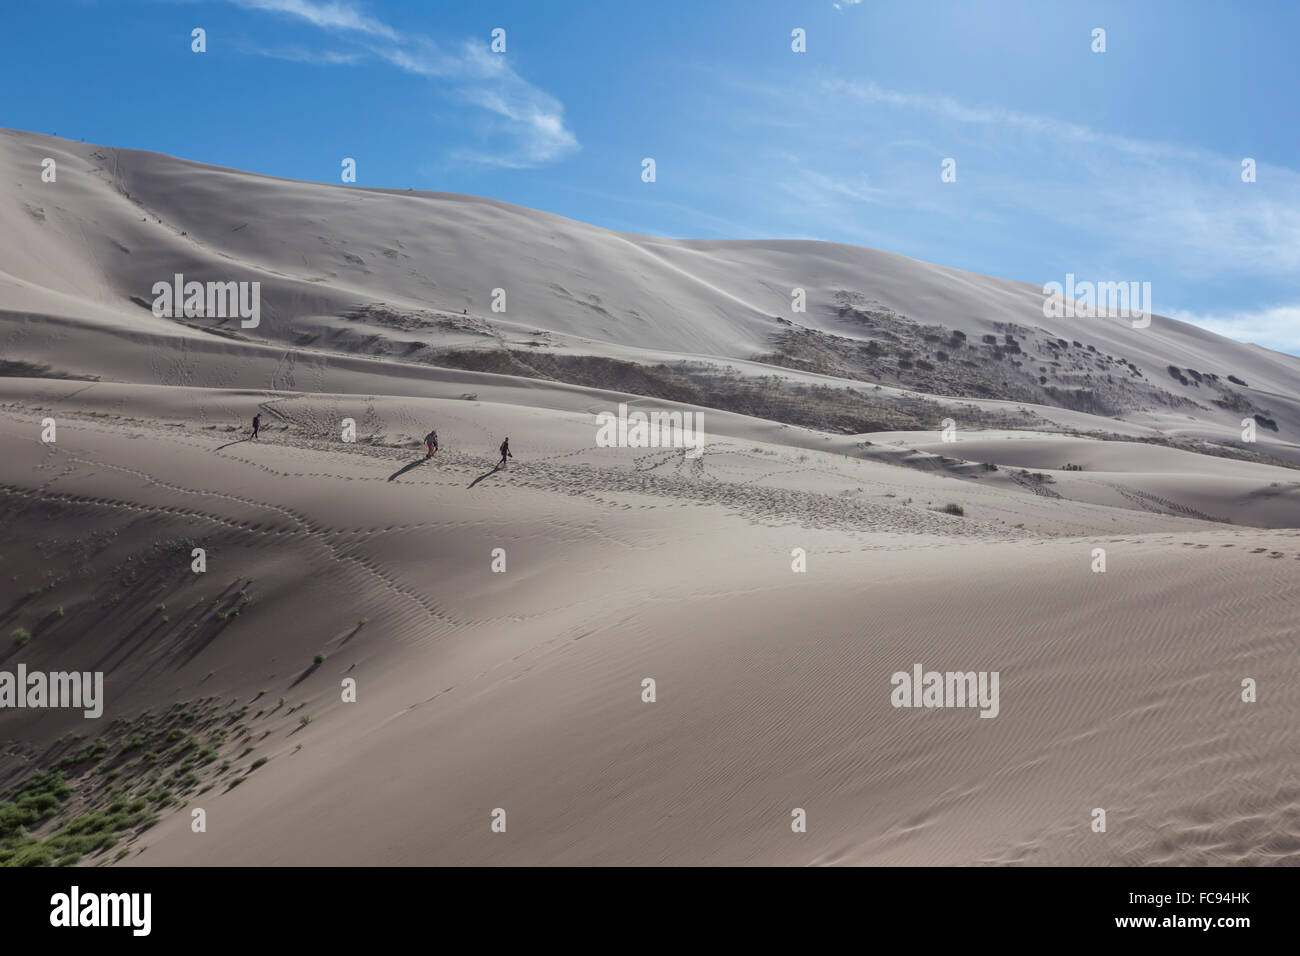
(405, 468)
(486, 474)
(235, 442)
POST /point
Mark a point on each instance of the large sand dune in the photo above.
(522, 690)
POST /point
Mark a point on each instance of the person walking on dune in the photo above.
(505, 453)
(431, 440)
(257, 423)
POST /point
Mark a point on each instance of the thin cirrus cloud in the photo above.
(528, 126)
(300, 55)
(485, 81)
(1133, 205)
(1183, 205)
(328, 16)
(1275, 328)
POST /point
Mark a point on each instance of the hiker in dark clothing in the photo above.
(505, 453)
(257, 423)
(431, 440)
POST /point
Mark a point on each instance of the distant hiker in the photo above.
(257, 423)
(505, 453)
(431, 440)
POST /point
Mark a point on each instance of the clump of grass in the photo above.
(953, 509)
(20, 636)
(319, 659)
(257, 763)
(41, 798)
(32, 804)
(304, 720)
(159, 608)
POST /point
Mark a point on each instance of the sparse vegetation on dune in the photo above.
(879, 347)
(846, 410)
(83, 798)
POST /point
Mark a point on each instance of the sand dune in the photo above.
(479, 689)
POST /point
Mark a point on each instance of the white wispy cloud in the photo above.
(1181, 205)
(1122, 204)
(948, 108)
(299, 55)
(327, 15)
(1275, 328)
(814, 186)
(529, 124)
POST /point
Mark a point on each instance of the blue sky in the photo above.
(1122, 165)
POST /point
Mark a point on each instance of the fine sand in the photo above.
(498, 626)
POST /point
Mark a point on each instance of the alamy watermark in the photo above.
(946, 689)
(659, 429)
(1091, 300)
(82, 690)
(209, 300)
(75, 909)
